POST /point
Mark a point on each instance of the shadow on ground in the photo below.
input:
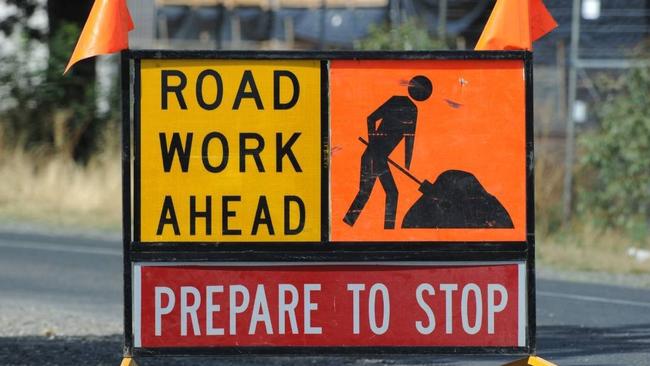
(559, 344)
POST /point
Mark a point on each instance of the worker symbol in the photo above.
(398, 116)
(456, 199)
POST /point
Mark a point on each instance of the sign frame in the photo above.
(136, 251)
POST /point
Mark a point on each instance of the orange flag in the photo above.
(515, 25)
(106, 31)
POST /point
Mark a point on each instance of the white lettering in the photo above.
(356, 290)
(372, 299)
(494, 308)
(237, 309)
(190, 310)
(419, 325)
(309, 307)
(159, 310)
(287, 309)
(260, 312)
(471, 287)
(448, 289)
(210, 309)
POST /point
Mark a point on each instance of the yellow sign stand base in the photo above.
(128, 361)
(531, 361)
(528, 361)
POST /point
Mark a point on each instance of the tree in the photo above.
(25, 9)
(47, 109)
(407, 36)
(617, 157)
(64, 12)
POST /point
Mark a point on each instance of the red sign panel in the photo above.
(356, 305)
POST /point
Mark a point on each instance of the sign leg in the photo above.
(128, 361)
(531, 361)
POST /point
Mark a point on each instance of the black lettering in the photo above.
(226, 213)
(224, 152)
(207, 215)
(168, 217)
(282, 150)
(262, 209)
(277, 104)
(287, 215)
(176, 147)
(254, 152)
(247, 79)
(176, 89)
(199, 90)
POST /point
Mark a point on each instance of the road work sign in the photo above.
(283, 202)
(230, 151)
(464, 133)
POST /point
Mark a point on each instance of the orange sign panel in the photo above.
(428, 150)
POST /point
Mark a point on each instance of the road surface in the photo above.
(61, 303)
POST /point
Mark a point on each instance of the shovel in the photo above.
(426, 187)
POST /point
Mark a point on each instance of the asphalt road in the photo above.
(61, 303)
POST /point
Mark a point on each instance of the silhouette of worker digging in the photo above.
(455, 200)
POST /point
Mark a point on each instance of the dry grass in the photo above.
(549, 179)
(54, 191)
(578, 246)
(584, 247)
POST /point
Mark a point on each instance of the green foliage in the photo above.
(19, 19)
(43, 108)
(409, 35)
(617, 158)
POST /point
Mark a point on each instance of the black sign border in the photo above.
(137, 251)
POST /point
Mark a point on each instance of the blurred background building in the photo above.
(294, 24)
(607, 34)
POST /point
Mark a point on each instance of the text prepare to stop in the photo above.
(223, 307)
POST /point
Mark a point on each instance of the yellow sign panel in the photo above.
(230, 151)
